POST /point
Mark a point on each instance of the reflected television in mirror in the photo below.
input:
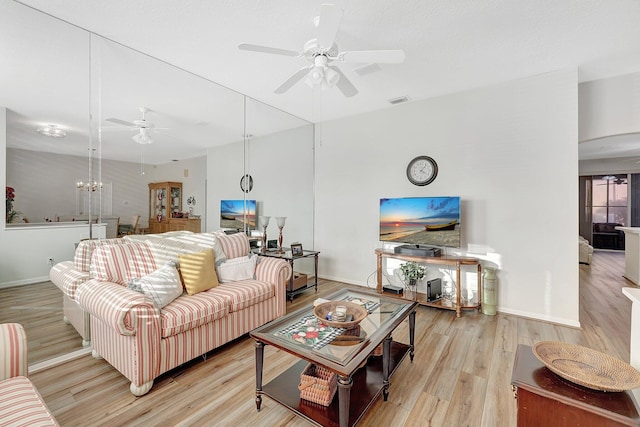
(421, 221)
(236, 213)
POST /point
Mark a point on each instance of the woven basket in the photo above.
(318, 384)
(587, 367)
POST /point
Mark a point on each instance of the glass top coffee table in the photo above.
(300, 334)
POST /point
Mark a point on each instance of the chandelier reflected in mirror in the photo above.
(88, 186)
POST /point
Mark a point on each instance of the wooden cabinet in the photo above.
(188, 224)
(165, 203)
(546, 400)
(451, 261)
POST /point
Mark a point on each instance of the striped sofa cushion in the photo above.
(246, 293)
(13, 342)
(82, 258)
(192, 311)
(120, 263)
(235, 245)
(22, 405)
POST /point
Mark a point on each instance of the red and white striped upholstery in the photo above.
(142, 341)
(67, 278)
(82, 258)
(13, 342)
(20, 402)
(234, 245)
(120, 263)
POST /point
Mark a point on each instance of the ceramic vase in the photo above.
(489, 291)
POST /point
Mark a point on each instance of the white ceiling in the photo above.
(450, 45)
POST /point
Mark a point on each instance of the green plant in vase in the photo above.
(411, 273)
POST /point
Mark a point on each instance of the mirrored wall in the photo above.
(91, 123)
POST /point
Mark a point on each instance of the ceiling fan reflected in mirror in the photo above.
(614, 179)
(143, 126)
(322, 52)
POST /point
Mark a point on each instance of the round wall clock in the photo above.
(422, 170)
(246, 183)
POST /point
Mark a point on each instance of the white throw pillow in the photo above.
(241, 268)
(163, 285)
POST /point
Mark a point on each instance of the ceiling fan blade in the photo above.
(267, 49)
(373, 56)
(330, 17)
(120, 122)
(345, 86)
(295, 78)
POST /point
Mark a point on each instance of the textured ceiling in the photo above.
(450, 45)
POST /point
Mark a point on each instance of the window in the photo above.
(610, 199)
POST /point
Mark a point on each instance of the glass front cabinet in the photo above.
(165, 202)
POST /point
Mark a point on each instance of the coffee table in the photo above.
(385, 314)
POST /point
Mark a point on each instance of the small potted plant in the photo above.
(411, 273)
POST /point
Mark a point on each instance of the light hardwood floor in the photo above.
(460, 376)
(38, 308)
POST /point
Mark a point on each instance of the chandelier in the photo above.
(89, 186)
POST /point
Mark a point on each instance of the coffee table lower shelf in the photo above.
(367, 386)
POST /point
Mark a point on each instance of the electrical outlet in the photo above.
(50, 261)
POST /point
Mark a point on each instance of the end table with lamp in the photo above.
(288, 256)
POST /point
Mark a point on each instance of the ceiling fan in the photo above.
(322, 51)
(142, 126)
(614, 179)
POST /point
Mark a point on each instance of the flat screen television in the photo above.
(431, 221)
(234, 213)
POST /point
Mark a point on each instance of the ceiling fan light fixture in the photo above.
(331, 77)
(52, 131)
(315, 76)
(142, 137)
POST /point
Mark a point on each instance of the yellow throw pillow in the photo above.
(198, 271)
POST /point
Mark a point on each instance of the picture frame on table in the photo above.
(296, 249)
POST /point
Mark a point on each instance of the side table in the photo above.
(547, 400)
(287, 255)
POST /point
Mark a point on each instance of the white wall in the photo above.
(509, 151)
(609, 106)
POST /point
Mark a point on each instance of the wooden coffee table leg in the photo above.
(344, 396)
(386, 358)
(259, 362)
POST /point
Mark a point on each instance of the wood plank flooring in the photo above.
(460, 376)
(38, 308)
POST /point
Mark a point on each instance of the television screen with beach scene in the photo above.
(234, 213)
(421, 220)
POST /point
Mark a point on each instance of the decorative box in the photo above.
(299, 280)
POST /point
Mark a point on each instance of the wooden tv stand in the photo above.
(456, 261)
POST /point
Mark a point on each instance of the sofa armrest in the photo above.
(278, 271)
(122, 309)
(13, 343)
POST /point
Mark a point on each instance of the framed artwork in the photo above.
(296, 249)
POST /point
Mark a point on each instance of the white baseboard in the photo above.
(23, 282)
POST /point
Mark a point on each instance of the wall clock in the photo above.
(246, 183)
(422, 170)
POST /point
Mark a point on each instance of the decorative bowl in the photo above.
(587, 367)
(357, 311)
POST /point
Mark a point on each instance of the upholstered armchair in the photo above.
(21, 404)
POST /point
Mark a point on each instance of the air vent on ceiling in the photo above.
(399, 100)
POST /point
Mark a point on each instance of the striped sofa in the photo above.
(20, 402)
(142, 341)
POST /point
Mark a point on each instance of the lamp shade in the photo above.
(264, 220)
(280, 220)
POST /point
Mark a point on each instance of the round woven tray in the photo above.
(587, 367)
(358, 312)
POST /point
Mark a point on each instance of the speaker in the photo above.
(434, 290)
